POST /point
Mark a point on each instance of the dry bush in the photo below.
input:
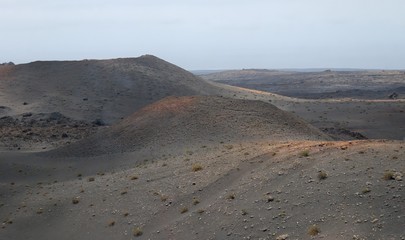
(75, 200)
(183, 210)
(195, 201)
(137, 231)
(231, 196)
(164, 198)
(388, 175)
(304, 153)
(196, 167)
(313, 230)
(322, 175)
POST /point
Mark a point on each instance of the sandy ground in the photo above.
(239, 191)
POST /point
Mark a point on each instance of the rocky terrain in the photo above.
(30, 131)
(356, 84)
(141, 149)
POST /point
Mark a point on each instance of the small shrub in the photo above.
(388, 175)
(200, 211)
(112, 223)
(244, 212)
(164, 198)
(124, 192)
(183, 210)
(366, 190)
(313, 230)
(195, 201)
(322, 175)
(229, 147)
(196, 167)
(134, 177)
(137, 231)
(230, 196)
(91, 179)
(75, 200)
(304, 153)
(40, 211)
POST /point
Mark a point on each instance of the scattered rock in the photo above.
(393, 95)
(282, 237)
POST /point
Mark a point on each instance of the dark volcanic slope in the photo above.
(190, 120)
(93, 89)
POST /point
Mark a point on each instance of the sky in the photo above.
(208, 34)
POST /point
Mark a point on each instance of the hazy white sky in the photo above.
(208, 34)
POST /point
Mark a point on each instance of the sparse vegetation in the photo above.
(220, 190)
(230, 196)
(137, 231)
(75, 200)
(366, 190)
(388, 175)
(195, 201)
(196, 167)
(229, 147)
(313, 230)
(40, 210)
(322, 175)
(8, 221)
(183, 210)
(304, 153)
(163, 198)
